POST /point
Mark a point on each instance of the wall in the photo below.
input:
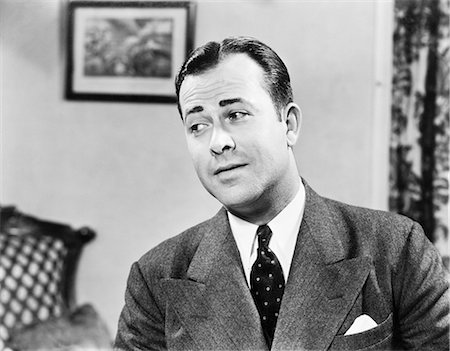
(123, 168)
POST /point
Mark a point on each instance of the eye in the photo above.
(237, 115)
(197, 128)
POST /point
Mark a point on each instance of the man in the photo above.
(278, 267)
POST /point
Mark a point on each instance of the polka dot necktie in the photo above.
(267, 283)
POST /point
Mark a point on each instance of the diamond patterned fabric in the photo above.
(31, 274)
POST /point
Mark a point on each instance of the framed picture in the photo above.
(127, 50)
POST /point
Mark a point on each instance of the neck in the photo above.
(269, 204)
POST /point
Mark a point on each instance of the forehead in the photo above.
(236, 76)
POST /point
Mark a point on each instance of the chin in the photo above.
(235, 198)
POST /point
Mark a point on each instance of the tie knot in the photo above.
(264, 234)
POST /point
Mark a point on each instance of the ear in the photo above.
(293, 120)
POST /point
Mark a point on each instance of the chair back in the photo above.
(38, 264)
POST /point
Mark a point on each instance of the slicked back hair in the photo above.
(208, 56)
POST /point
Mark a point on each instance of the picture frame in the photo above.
(127, 50)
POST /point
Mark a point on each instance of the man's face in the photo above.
(235, 137)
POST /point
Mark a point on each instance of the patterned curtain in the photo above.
(419, 144)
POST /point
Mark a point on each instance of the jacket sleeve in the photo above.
(141, 323)
(421, 295)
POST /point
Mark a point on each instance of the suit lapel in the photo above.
(214, 304)
(322, 285)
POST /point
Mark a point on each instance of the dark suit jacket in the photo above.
(190, 292)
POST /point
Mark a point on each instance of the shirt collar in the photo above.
(285, 227)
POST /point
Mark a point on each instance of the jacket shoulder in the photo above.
(380, 234)
(172, 257)
(360, 216)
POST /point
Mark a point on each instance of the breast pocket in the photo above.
(378, 338)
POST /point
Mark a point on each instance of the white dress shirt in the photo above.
(285, 227)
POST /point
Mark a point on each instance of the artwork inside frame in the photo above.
(127, 50)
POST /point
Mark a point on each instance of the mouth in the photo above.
(227, 168)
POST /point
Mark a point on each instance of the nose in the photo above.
(220, 141)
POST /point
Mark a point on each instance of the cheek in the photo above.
(267, 145)
(193, 147)
(199, 156)
(271, 153)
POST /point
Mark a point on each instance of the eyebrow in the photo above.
(194, 110)
(226, 102)
(222, 103)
